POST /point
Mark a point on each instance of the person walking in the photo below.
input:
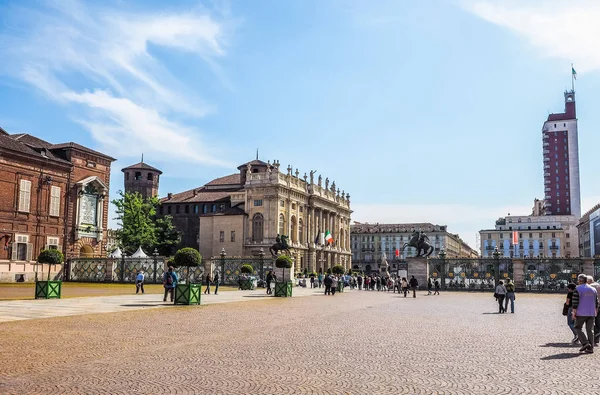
(500, 294)
(216, 282)
(334, 284)
(568, 308)
(359, 281)
(510, 296)
(320, 278)
(169, 282)
(429, 286)
(207, 289)
(585, 309)
(436, 284)
(312, 280)
(269, 280)
(327, 282)
(404, 285)
(139, 282)
(596, 286)
(413, 285)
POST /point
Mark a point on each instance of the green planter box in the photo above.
(48, 289)
(283, 289)
(187, 294)
(247, 285)
(340, 287)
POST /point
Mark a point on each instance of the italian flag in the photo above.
(328, 237)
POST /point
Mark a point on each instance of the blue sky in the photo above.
(423, 111)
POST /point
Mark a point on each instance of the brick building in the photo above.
(51, 196)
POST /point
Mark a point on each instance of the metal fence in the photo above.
(551, 274)
(125, 270)
(472, 274)
(229, 267)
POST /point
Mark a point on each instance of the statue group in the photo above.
(281, 245)
(420, 241)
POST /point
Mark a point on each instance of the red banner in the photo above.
(515, 237)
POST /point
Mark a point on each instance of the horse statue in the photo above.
(281, 245)
(420, 241)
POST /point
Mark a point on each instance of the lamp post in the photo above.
(261, 256)
(496, 254)
(223, 254)
(442, 255)
(155, 255)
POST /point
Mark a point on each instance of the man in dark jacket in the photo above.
(216, 282)
(207, 289)
(328, 281)
(269, 280)
(414, 284)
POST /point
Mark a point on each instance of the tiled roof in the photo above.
(141, 166)
(232, 179)
(255, 162)
(81, 148)
(9, 143)
(201, 196)
(395, 228)
(31, 140)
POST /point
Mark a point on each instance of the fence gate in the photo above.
(229, 268)
(471, 274)
(123, 270)
(551, 274)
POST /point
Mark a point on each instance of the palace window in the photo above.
(281, 227)
(52, 243)
(149, 176)
(233, 236)
(196, 209)
(258, 203)
(24, 195)
(22, 249)
(257, 227)
(138, 175)
(54, 210)
(222, 236)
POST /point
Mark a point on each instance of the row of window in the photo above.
(138, 176)
(281, 204)
(567, 235)
(25, 198)
(186, 209)
(22, 249)
(222, 236)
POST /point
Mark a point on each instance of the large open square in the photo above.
(352, 343)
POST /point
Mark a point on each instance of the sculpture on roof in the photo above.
(320, 180)
(327, 183)
(312, 176)
(420, 241)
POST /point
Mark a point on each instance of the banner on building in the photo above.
(515, 238)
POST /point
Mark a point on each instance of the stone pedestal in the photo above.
(419, 268)
(519, 274)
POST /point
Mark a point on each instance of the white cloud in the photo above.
(98, 59)
(560, 29)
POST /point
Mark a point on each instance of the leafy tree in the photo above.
(187, 257)
(51, 257)
(141, 227)
(338, 269)
(284, 262)
(167, 237)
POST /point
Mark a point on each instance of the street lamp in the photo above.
(496, 254)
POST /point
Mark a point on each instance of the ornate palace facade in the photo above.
(51, 196)
(244, 212)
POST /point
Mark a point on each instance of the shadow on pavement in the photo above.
(560, 345)
(491, 313)
(140, 305)
(563, 355)
(257, 296)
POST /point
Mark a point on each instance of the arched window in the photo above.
(300, 232)
(257, 227)
(294, 235)
(281, 224)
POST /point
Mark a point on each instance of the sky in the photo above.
(424, 111)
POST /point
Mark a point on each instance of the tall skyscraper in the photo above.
(561, 161)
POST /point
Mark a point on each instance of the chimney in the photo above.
(195, 192)
(169, 195)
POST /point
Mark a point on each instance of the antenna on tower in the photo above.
(142, 157)
(257, 154)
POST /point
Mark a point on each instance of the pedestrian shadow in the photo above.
(564, 355)
(140, 305)
(491, 313)
(256, 296)
(559, 345)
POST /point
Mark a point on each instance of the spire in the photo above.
(257, 154)
(142, 157)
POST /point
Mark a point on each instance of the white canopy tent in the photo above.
(116, 253)
(139, 253)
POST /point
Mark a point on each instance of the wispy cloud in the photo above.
(97, 60)
(560, 29)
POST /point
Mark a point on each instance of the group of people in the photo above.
(503, 294)
(581, 308)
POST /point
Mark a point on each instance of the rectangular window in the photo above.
(553, 235)
(54, 201)
(301, 209)
(52, 243)
(196, 209)
(168, 209)
(568, 235)
(24, 195)
(258, 203)
(149, 176)
(221, 236)
(489, 235)
(21, 249)
(160, 209)
(293, 206)
(176, 209)
(138, 175)
(531, 235)
(233, 236)
(568, 244)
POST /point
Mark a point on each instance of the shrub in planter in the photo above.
(245, 282)
(187, 293)
(49, 289)
(338, 269)
(283, 288)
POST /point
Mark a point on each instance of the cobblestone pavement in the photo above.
(350, 343)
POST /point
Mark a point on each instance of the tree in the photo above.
(51, 257)
(141, 227)
(187, 257)
(167, 237)
(135, 217)
(338, 269)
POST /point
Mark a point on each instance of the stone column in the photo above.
(588, 267)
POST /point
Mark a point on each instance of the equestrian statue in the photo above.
(281, 245)
(420, 241)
